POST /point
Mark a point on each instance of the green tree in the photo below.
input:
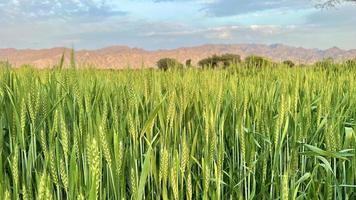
(289, 63)
(168, 63)
(230, 59)
(211, 62)
(257, 61)
(224, 60)
(188, 63)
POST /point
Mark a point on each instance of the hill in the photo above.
(123, 56)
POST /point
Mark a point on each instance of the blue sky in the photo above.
(162, 24)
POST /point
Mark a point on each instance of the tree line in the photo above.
(227, 60)
(220, 61)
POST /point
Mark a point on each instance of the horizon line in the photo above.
(173, 48)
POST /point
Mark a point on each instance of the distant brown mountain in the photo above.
(123, 56)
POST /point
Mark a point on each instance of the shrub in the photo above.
(351, 63)
(327, 62)
(289, 63)
(188, 63)
(209, 62)
(257, 61)
(230, 59)
(224, 60)
(168, 63)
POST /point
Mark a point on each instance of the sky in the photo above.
(167, 24)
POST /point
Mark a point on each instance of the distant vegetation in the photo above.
(325, 63)
(169, 63)
(289, 63)
(188, 63)
(351, 62)
(224, 60)
(227, 61)
(257, 61)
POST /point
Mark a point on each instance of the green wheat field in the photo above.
(239, 133)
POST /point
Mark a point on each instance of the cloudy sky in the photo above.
(161, 24)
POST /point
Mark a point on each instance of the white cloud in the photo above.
(19, 10)
(237, 7)
(224, 32)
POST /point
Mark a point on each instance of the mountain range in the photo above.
(123, 56)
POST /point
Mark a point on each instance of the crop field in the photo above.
(268, 133)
